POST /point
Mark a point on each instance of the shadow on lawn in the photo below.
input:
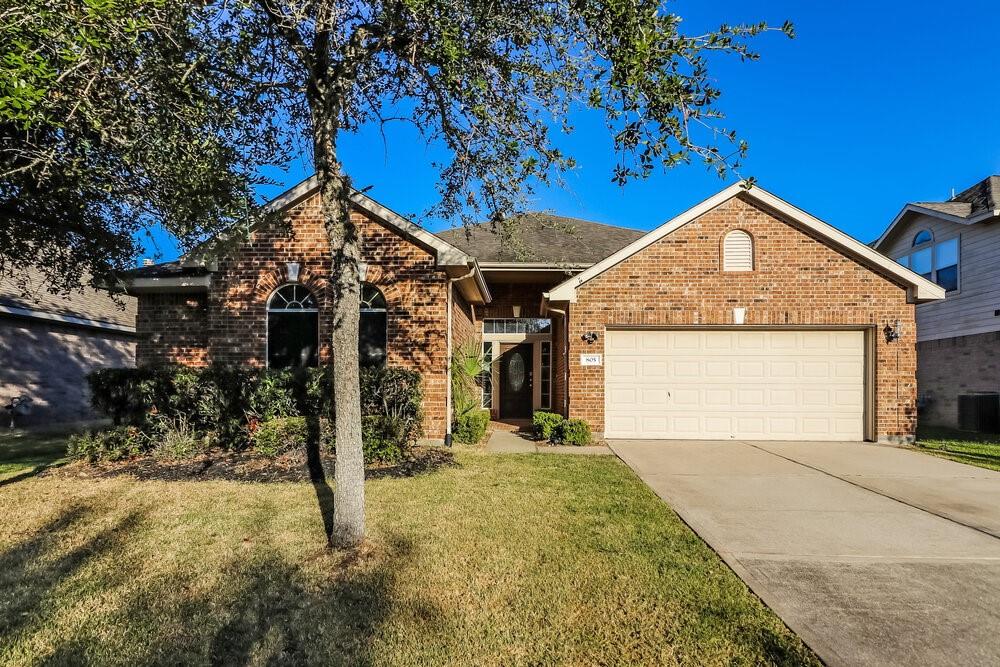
(101, 600)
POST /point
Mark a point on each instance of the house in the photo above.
(955, 243)
(743, 317)
(49, 342)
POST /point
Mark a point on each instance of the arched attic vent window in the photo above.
(923, 236)
(737, 251)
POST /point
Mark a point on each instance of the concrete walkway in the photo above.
(511, 442)
(873, 555)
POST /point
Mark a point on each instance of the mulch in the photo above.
(247, 466)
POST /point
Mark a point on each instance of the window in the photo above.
(923, 236)
(486, 381)
(737, 251)
(546, 375)
(937, 261)
(520, 325)
(372, 329)
(292, 328)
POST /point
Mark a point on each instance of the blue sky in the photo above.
(872, 105)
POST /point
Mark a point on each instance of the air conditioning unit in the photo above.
(979, 412)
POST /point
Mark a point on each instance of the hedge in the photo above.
(231, 404)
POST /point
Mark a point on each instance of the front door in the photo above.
(515, 381)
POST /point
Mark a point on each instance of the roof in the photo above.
(542, 238)
(918, 288)
(26, 294)
(191, 274)
(979, 203)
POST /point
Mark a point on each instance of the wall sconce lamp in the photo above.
(292, 272)
(590, 337)
(892, 331)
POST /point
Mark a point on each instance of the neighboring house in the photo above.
(955, 243)
(743, 317)
(49, 342)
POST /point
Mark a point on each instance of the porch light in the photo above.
(590, 337)
(292, 272)
(892, 331)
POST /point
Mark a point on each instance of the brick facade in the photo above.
(798, 280)
(235, 315)
(949, 367)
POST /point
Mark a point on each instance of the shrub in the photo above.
(384, 438)
(280, 435)
(573, 432)
(545, 424)
(115, 444)
(470, 427)
(175, 438)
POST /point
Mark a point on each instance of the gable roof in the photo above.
(918, 289)
(978, 203)
(187, 274)
(542, 238)
(85, 307)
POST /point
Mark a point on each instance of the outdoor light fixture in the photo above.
(892, 331)
(292, 272)
(590, 337)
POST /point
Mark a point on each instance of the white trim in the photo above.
(916, 208)
(532, 266)
(65, 319)
(919, 289)
(183, 284)
(304, 311)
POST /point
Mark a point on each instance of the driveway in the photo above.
(873, 555)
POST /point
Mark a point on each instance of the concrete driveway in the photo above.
(873, 555)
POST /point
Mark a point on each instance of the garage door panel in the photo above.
(731, 384)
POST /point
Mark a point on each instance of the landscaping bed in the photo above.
(487, 560)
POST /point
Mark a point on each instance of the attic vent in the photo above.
(737, 251)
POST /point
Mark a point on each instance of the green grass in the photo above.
(978, 449)
(496, 560)
(24, 454)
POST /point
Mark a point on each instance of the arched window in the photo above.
(737, 251)
(292, 328)
(372, 334)
(923, 236)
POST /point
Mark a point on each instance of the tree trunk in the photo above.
(344, 293)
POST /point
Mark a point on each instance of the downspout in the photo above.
(447, 401)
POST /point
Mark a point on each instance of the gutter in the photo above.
(66, 319)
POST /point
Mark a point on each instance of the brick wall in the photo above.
(508, 295)
(236, 315)
(172, 329)
(50, 362)
(798, 280)
(953, 366)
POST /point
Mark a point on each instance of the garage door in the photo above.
(751, 385)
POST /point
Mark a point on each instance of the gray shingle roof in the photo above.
(172, 269)
(28, 290)
(542, 238)
(981, 197)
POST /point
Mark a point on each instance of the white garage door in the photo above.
(750, 385)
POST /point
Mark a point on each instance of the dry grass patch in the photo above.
(496, 560)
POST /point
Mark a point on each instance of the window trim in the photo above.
(488, 375)
(916, 243)
(545, 401)
(267, 320)
(363, 310)
(933, 246)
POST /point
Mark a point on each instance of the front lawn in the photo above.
(486, 560)
(978, 449)
(25, 454)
